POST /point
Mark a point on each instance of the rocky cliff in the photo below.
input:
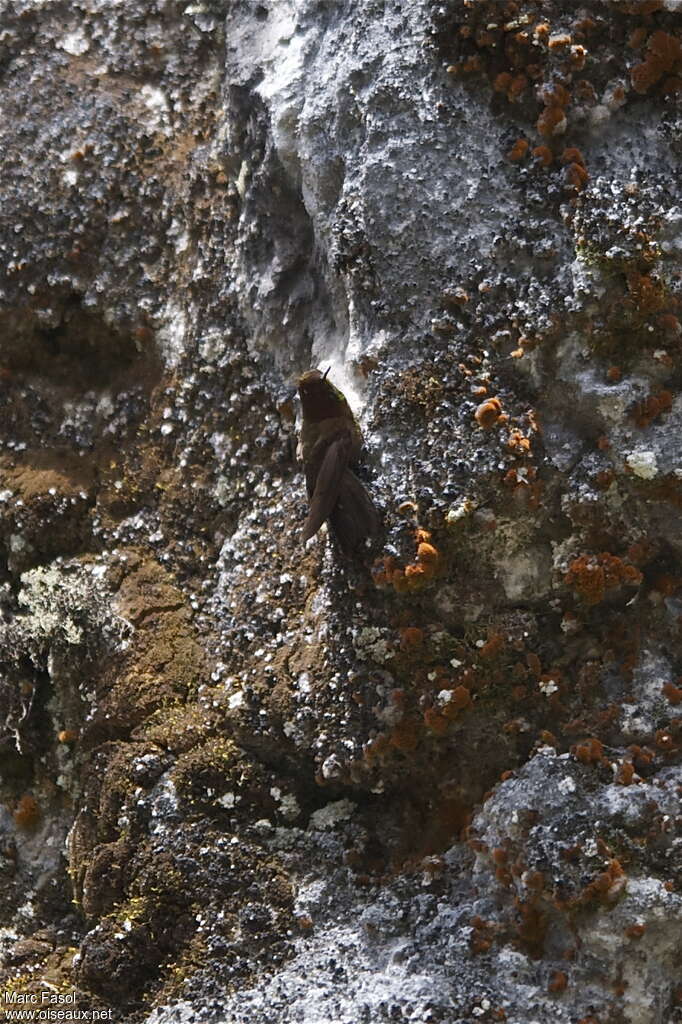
(245, 779)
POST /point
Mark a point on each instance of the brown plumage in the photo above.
(331, 443)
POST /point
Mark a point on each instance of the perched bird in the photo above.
(331, 442)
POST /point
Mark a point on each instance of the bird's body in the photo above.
(331, 442)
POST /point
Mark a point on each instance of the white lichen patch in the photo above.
(460, 511)
(213, 344)
(157, 104)
(370, 644)
(61, 605)
(524, 573)
(330, 815)
(642, 462)
(288, 804)
(75, 43)
(172, 334)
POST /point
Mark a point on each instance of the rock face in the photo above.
(246, 780)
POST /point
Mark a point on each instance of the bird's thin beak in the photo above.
(324, 375)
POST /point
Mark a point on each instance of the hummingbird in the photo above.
(331, 442)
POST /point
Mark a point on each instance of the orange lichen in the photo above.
(591, 576)
(646, 293)
(481, 936)
(518, 150)
(613, 374)
(558, 982)
(517, 86)
(576, 176)
(555, 95)
(673, 693)
(642, 756)
(634, 931)
(665, 740)
(589, 752)
(411, 637)
(27, 813)
(643, 76)
(604, 479)
(543, 155)
(578, 57)
(663, 55)
(572, 155)
(427, 553)
(436, 721)
(665, 48)
(414, 573)
(526, 488)
(534, 880)
(492, 647)
(460, 698)
(399, 581)
(552, 121)
(428, 558)
(518, 443)
(636, 38)
(386, 572)
(648, 410)
(606, 885)
(488, 413)
(626, 774)
(67, 736)
(377, 747)
(382, 571)
(584, 26)
(404, 736)
(584, 91)
(468, 66)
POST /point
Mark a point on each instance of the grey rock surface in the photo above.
(246, 780)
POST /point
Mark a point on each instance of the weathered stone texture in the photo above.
(244, 780)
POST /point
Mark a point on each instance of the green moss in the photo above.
(218, 772)
(177, 728)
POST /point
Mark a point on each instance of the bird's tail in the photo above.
(354, 517)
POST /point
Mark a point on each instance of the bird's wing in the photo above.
(325, 482)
